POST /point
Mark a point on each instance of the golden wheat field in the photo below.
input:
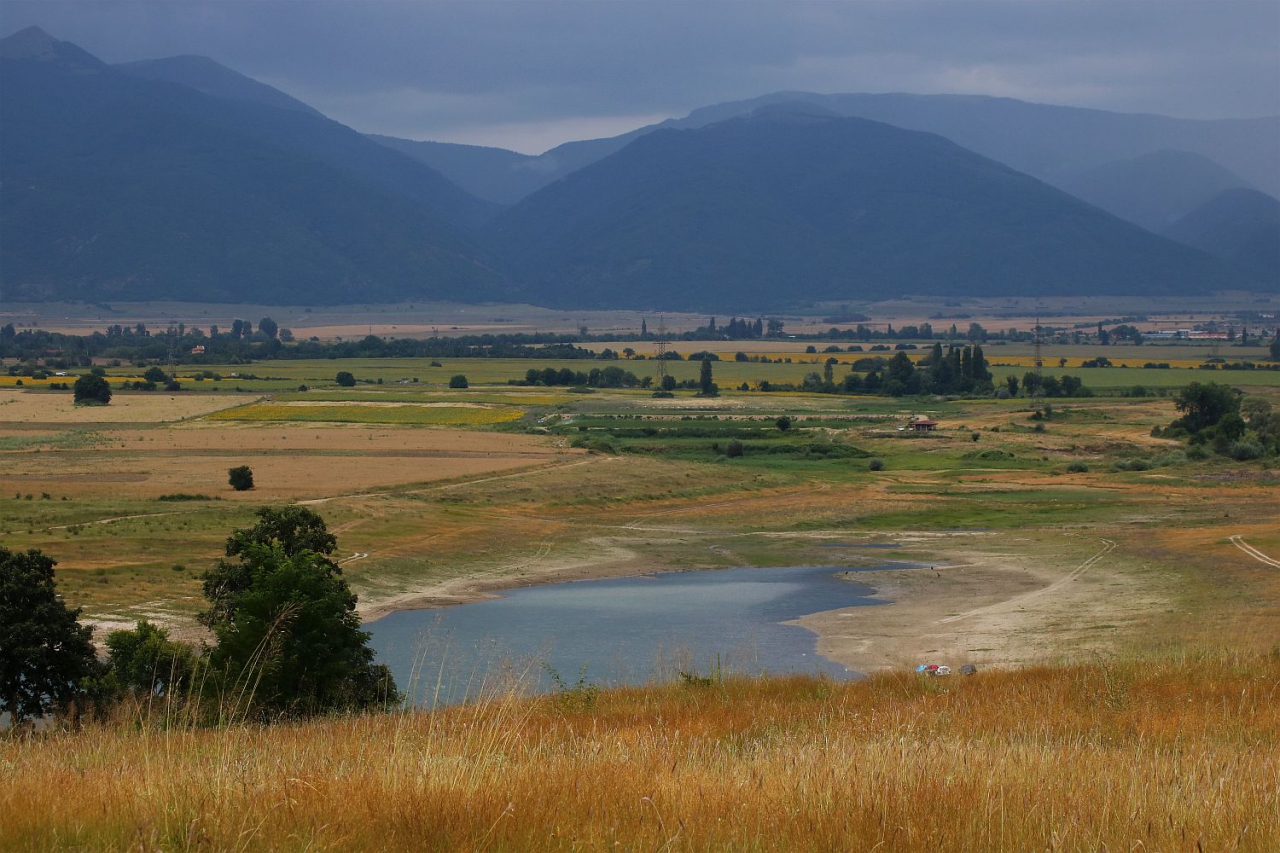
(1178, 753)
(365, 412)
(19, 407)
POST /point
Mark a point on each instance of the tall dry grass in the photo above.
(1176, 754)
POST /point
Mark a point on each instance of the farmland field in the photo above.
(1092, 571)
(448, 493)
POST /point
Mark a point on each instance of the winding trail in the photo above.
(1108, 547)
(523, 473)
(1239, 542)
(114, 519)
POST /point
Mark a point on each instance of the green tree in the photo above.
(92, 390)
(706, 386)
(293, 529)
(345, 379)
(1275, 346)
(240, 478)
(288, 634)
(45, 653)
(145, 661)
(268, 327)
(156, 375)
(783, 423)
(458, 381)
(1204, 404)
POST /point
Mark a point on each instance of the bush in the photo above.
(1245, 449)
(734, 449)
(1078, 467)
(876, 464)
(240, 478)
(91, 390)
(345, 379)
(458, 381)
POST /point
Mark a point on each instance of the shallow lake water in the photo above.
(619, 631)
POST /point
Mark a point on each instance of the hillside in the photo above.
(1054, 143)
(1154, 190)
(1241, 226)
(205, 75)
(787, 207)
(119, 187)
(494, 174)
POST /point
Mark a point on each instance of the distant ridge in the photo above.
(787, 208)
(182, 179)
(35, 44)
(205, 75)
(1053, 143)
(121, 187)
(1153, 190)
(1239, 225)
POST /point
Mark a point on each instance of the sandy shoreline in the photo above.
(990, 607)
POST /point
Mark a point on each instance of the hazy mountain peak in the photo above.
(213, 78)
(34, 43)
(793, 109)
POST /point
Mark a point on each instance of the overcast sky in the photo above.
(530, 75)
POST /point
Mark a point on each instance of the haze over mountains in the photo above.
(180, 178)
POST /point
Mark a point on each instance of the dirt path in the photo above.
(1053, 587)
(116, 518)
(1254, 552)
(522, 473)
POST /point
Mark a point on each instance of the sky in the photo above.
(530, 75)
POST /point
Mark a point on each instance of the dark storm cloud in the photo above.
(529, 74)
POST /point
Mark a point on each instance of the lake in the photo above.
(618, 631)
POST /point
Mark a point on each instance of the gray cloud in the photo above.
(530, 74)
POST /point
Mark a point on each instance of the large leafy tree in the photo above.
(1205, 404)
(293, 529)
(45, 653)
(286, 624)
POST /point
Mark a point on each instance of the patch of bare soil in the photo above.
(997, 607)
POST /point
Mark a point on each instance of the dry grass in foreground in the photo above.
(1177, 754)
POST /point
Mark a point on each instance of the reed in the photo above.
(1176, 753)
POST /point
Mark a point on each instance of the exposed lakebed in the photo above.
(618, 631)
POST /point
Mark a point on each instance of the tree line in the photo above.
(287, 639)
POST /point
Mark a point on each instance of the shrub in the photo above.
(734, 449)
(345, 379)
(1245, 449)
(1170, 459)
(458, 381)
(240, 478)
(876, 464)
(1078, 467)
(91, 390)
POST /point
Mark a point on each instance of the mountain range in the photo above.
(844, 205)
(180, 178)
